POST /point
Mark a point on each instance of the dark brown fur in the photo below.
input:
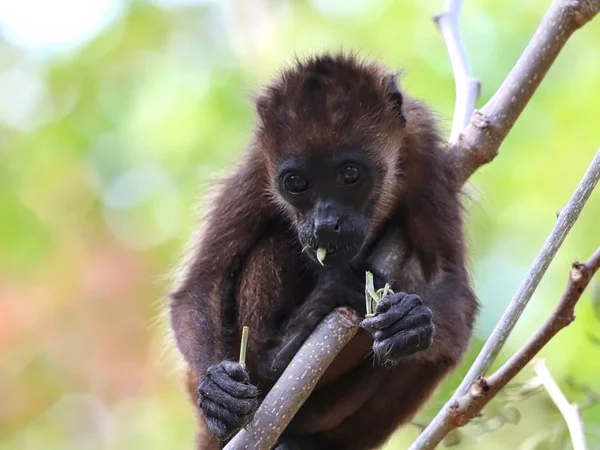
(247, 267)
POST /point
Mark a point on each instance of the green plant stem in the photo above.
(244, 346)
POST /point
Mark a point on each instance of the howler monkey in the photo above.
(345, 161)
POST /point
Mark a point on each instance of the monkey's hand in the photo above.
(226, 399)
(402, 326)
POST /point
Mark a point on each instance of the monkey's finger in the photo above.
(235, 371)
(231, 370)
(209, 390)
(212, 409)
(420, 319)
(218, 370)
(386, 319)
(403, 344)
(234, 388)
(232, 421)
(218, 428)
(399, 300)
(386, 302)
(375, 323)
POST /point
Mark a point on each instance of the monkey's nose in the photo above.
(327, 229)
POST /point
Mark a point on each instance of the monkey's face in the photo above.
(330, 197)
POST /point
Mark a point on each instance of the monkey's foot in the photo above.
(402, 326)
(226, 398)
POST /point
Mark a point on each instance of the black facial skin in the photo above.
(332, 197)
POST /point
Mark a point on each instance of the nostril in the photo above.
(327, 227)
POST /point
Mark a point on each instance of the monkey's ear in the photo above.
(267, 108)
(262, 105)
(395, 97)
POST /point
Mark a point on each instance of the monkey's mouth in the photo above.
(332, 254)
(331, 249)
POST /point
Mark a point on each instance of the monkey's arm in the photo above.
(200, 300)
(454, 307)
(202, 304)
(435, 321)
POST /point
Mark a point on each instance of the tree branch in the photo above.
(570, 411)
(479, 142)
(477, 145)
(482, 391)
(563, 315)
(469, 398)
(467, 88)
(297, 381)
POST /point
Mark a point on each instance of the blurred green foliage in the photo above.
(105, 147)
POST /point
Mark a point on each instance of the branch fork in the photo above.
(467, 87)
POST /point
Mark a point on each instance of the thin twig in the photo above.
(467, 88)
(569, 411)
(479, 142)
(563, 315)
(458, 409)
(482, 391)
(297, 381)
(563, 225)
(244, 346)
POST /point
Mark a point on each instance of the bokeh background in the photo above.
(114, 117)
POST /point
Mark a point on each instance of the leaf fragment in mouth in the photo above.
(321, 253)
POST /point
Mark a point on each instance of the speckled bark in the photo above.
(479, 142)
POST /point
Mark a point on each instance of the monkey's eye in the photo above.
(294, 183)
(348, 174)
